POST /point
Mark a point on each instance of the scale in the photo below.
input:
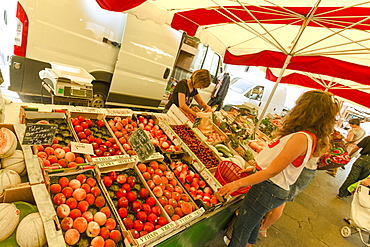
(67, 83)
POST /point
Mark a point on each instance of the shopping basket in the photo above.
(227, 172)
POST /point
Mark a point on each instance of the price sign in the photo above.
(39, 134)
(141, 144)
(82, 148)
(197, 122)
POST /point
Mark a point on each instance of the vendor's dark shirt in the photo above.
(365, 145)
(181, 87)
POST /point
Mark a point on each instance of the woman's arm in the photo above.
(203, 104)
(295, 146)
(349, 136)
(184, 106)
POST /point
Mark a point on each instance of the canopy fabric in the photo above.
(338, 89)
(119, 5)
(329, 37)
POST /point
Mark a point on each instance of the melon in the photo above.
(8, 142)
(9, 218)
(15, 162)
(8, 178)
(31, 231)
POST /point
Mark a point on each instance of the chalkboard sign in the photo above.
(197, 122)
(141, 144)
(39, 134)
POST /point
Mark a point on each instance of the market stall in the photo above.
(121, 177)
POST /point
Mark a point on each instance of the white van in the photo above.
(132, 60)
(252, 88)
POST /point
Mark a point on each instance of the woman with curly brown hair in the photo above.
(304, 134)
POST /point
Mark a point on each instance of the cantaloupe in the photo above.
(8, 142)
(31, 231)
(9, 218)
(8, 178)
(15, 162)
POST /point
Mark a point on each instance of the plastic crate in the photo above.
(227, 172)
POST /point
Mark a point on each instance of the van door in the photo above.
(145, 63)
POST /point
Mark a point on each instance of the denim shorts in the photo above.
(302, 182)
(259, 200)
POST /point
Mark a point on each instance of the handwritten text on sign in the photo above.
(39, 134)
(141, 144)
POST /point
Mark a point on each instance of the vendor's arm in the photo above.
(295, 146)
(202, 104)
(349, 136)
(184, 106)
(354, 150)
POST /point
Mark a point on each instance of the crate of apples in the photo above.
(56, 155)
(139, 211)
(94, 132)
(194, 184)
(85, 217)
(170, 194)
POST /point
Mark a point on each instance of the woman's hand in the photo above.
(366, 182)
(248, 170)
(227, 189)
(208, 109)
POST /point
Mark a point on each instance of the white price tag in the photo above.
(82, 148)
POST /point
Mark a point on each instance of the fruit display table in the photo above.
(108, 195)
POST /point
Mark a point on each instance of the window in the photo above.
(206, 58)
(255, 93)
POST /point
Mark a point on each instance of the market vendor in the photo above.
(186, 90)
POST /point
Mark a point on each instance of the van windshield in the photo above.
(240, 85)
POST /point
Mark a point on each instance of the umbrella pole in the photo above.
(286, 63)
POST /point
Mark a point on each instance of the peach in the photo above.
(42, 155)
(186, 208)
(91, 182)
(163, 200)
(67, 223)
(53, 159)
(93, 229)
(88, 216)
(115, 235)
(75, 213)
(172, 202)
(169, 209)
(111, 224)
(55, 188)
(70, 156)
(156, 179)
(82, 178)
(100, 201)
(109, 243)
(100, 218)
(154, 164)
(80, 224)
(95, 191)
(72, 164)
(63, 181)
(175, 217)
(45, 162)
(71, 202)
(97, 242)
(59, 153)
(83, 206)
(49, 150)
(106, 211)
(79, 194)
(79, 160)
(179, 212)
(72, 236)
(90, 198)
(75, 184)
(86, 187)
(63, 210)
(67, 191)
(59, 199)
(147, 176)
(104, 232)
(158, 192)
(142, 167)
(63, 163)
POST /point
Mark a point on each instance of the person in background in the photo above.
(304, 133)
(220, 91)
(355, 134)
(186, 90)
(366, 125)
(360, 169)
